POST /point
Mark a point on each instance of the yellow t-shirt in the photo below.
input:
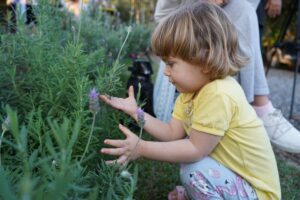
(221, 108)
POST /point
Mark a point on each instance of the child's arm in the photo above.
(164, 131)
(193, 149)
(158, 129)
(190, 149)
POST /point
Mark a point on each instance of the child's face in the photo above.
(186, 77)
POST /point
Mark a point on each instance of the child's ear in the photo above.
(205, 70)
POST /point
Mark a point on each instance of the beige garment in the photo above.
(32, 2)
(164, 7)
(8, 2)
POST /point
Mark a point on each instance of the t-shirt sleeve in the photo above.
(213, 114)
(178, 112)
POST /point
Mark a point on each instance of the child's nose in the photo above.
(167, 71)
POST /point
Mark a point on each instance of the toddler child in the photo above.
(214, 133)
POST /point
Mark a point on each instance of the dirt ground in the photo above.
(290, 158)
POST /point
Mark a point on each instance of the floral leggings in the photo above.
(207, 179)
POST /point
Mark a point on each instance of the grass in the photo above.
(156, 179)
(289, 179)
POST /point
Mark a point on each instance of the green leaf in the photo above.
(74, 136)
(6, 191)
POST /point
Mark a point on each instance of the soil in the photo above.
(290, 158)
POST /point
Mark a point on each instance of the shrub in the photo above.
(46, 75)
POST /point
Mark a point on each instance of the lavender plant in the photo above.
(140, 118)
(127, 175)
(141, 122)
(94, 101)
(94, 108)
(45, 76)
(5, 127)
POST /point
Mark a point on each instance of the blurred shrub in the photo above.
(275, 25)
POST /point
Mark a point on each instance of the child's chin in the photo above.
(179, 90)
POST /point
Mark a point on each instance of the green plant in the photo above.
(289, 179)
(50, 148)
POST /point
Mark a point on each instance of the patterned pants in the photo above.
(207, 179)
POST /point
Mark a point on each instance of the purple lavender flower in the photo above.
(140, 117)
(94, 101)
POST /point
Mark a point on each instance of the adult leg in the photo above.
(12, 24)
(164, 95)
(30, 16)
(261, 87)
(253, 80)
(281, 132)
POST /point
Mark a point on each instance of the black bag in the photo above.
(141, 72)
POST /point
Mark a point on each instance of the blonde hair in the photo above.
(200, 33)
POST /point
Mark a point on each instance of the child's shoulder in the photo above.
(227, 86)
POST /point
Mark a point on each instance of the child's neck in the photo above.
(195, 94)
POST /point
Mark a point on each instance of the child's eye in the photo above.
(170, 64)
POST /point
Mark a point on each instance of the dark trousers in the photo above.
(261, 17)
(30, 17)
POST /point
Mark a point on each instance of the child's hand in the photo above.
(127, 149)
(128, 105)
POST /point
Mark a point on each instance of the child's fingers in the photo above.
(122, 159)
(125, 130)
(131, 91)
(113, 151)
(115, 143)
(110, 162)
(114, 102)
(105, 98)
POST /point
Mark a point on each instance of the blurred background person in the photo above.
(270, 8)
(21, 7)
